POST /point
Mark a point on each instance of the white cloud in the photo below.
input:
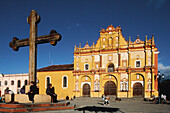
(162, 67)
(164, 70)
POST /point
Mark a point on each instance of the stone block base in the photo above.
(23, 98)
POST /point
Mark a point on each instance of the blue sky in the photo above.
(79, 21)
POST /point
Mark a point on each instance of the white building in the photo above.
(13, 81)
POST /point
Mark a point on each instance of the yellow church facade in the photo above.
(112, 66)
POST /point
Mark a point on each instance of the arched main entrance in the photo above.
(86, 90)
(110, 88)
(137, 89)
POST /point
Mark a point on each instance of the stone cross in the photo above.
(32, 42)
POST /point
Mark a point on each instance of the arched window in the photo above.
(65, 82)
(48, 81)
(12, 82)
(19, 84)
(111, 68)
(6, 83)
(86, 67)
(25, 82)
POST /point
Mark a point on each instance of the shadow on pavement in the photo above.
(98, 109)
(101, 103)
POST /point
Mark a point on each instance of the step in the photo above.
(35, 107)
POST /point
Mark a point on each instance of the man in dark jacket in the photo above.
(32, 92)
(50, 91)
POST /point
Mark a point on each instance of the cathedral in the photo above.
(112, 66)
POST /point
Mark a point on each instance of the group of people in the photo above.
(34, 90)
(49, 91)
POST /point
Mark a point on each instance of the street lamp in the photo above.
(160, 77)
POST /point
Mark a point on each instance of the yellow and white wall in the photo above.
(133, 63)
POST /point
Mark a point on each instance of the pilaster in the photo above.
(100, 61)
(119, 59)
(129, 59)
(146, 58)
(153, 58)
(93, 62)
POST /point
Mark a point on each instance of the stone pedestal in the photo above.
(27, 88)
(23, 98)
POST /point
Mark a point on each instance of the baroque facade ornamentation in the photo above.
(112, 66)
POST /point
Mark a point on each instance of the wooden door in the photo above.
(137, 89)
(110, 88)
(86, 90)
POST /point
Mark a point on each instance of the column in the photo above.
(129, 59)
(100, 61)
(119, 59)
(93, 62)
(129, 85)
(146, 58)
(118, 40)
(153, 82)
(153, 58)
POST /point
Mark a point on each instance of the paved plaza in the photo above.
(124, 106)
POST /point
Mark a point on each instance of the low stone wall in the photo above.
(42, 98)
(23, 98)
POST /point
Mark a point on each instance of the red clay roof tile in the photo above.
(57, 68)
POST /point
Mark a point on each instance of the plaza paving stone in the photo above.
(124, 106)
